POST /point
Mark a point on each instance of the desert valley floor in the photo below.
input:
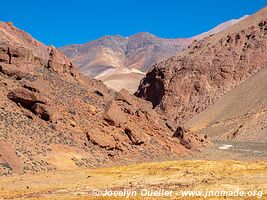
(241, 166)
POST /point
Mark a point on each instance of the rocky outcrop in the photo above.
(25, 97)
(197, 77)
(20, 49)
(188, 140)
(45, 112)
(154, 79)
(33, 101)
(114, 115)
(12, 70)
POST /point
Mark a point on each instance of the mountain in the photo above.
(54, 118)
(187, 84)
(219, 28)
(121, 62)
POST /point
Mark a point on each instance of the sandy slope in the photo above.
(239, 115)
(119, 78)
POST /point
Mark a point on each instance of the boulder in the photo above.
(179, 133)
(190, 140)
(35, 102)
(124, 96)
(20, 56)
(45, 112)
(26, 98)
(12, 71)
(4, 57)
(133, 135)
(114, 115)
(182, 135)
(100, 138)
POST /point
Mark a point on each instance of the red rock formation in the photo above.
(20, 49)
(188, 83)
(51, 115)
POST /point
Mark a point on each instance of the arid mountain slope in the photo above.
(52, 117)
(239, 115)
(138, 51)
(121, 62)
(188, 83)
(219, 28)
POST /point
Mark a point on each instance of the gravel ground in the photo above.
(233, 150)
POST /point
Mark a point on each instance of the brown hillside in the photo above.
(188, 83)
(52, 117)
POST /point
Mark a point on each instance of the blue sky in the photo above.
(70, 22)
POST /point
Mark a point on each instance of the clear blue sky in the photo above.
(79, 21)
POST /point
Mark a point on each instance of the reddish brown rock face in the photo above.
(20, 49)
(197, 77)
(154, 79)
(49, 112)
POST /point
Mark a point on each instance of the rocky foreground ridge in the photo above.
(52, 117)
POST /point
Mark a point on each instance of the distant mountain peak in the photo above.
(144, 34)
(219, 28)
(108, 56)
